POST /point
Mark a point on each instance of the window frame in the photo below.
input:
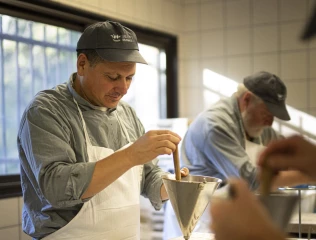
(61, 15)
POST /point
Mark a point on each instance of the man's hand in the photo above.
(184, 172)
(151, 145)
(293, 153)
(243, 217)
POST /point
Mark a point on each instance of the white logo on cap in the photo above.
(124, 38)
(116, 38)
(280, 97)
(127, 38)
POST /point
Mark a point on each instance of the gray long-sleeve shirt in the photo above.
(214, 144)
(55, 171)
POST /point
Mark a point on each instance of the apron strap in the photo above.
(122, 127)
(88, 142)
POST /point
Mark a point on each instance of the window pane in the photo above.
(8, 24)
(64, 36)
(29, 66)
(24, 28)
(38, 31)
(13, 167)
(10, 96)
(52, 70)
(51, 34)
(39, 76)
(25, 69)
(150, 53)
(74, 36)
(67, 65)
(147, 93)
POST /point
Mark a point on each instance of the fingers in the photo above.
(239, 188)
(154, 143)
(279, 162)
(184, 172)
(280, 149)
(166, 146)
(165, 141)
(216, 211)
(166, 136)
(220, 209)
(164, 132)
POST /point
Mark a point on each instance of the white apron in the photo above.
(253, 150)
(114, 212)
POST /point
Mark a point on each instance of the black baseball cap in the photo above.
(310, 27)
(271, 90)
(112, 41)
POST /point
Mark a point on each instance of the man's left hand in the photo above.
(184, 172)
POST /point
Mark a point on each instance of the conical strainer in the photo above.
(189, 198)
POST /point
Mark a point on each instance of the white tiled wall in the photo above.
(240, 37)
(232, 37)
(10, 219)
(161, 15)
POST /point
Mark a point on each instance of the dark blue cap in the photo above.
(112, 41)
(271, 90)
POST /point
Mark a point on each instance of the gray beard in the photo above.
(253, 132)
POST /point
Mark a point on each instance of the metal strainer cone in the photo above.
(189, 198)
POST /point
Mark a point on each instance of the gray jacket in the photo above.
(55, 171)
(214, 144)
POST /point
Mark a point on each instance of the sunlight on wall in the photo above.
(217, 86)
(218, 83)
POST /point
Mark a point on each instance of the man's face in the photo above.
(255, 118)
(106, 83)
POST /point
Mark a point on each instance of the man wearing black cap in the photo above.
(84, 155)
(293, 161)
(224, 140)
(216, 141)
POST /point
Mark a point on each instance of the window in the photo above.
(147, 94)
(39, 56)
(34, 56)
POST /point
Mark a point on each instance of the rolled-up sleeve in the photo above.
(49, 159)
(151, 183)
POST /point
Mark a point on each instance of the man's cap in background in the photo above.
(112, 41)
(271, 90)
(310, 27)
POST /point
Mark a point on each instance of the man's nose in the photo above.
(122, 86)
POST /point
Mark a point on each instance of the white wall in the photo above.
(10, 219)
(163, 15)
(238, 37)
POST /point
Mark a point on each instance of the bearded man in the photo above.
(224, 140)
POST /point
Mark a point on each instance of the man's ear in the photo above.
(247, 99)
(81, 63)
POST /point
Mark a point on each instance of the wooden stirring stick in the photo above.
(266, 180)
(176, 163)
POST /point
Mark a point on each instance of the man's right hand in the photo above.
(243, 217)
(151, 145)
(293, 153)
